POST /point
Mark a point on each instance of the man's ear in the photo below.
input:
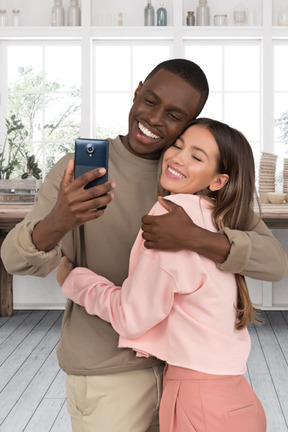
(219, 182)
(137, 91)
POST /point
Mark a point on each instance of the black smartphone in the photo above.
(91, 154)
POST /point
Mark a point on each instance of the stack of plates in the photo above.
(285, 177)
(267, 170)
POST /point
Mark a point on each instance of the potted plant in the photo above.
(13, 154)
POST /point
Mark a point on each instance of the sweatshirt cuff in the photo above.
(240, 251)
(30, 253)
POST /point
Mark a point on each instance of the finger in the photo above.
(69, 173)
(168, 205)
(89, 176)
(148, 245)
(147, 228)
(96, 197)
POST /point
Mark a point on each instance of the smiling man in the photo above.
(111, 389)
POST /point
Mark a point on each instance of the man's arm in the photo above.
(249, 253)
(74, 207)
(34, 246)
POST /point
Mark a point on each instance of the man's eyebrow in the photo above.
(158, 99)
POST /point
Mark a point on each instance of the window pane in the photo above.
(242, 68)
(21, 58)
(242, 111)
(63, 65)
(111, 114)
(112, 68)
(44, 94)
(213, 107)
(210, 59)
(153, 55)
(281, 68)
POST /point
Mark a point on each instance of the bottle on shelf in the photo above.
(57, 14)
(203, 13)
(74, 14)
(3, 15)
(161, 15)
(239, 15)
(120, 19)
(283, 14)
(149, 14)
(190, 19)
(15, 17)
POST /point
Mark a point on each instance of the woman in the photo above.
(178, 306)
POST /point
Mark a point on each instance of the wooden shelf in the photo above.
(274, 215)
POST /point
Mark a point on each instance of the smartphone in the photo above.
(91, 154)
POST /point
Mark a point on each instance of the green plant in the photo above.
(12, 148)
(13, 153)
(32, 168)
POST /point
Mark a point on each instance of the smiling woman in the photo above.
(188, 168)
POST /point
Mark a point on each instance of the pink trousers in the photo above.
(198, 402)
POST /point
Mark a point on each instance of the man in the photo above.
(110, 389)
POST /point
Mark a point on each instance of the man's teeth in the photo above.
(147, 132)
(175, 173)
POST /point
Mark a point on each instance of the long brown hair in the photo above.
(232, 204)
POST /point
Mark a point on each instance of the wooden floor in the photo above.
(32, 387)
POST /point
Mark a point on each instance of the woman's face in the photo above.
(190, 165)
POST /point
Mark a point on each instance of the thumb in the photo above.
(69, 173)
(167, 204)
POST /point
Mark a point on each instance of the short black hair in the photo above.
(189, 72)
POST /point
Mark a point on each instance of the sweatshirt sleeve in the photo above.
(252, 253)
(18, 253)
(144, 300)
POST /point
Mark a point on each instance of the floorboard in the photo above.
(32, 387)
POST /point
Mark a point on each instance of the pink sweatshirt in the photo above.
(176, 306)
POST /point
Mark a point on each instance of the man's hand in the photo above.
(175, 231)
(167, 231)
(75, 206)
(63, 270)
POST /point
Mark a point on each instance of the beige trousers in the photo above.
(123, 402)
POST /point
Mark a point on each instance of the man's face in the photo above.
(163, 107)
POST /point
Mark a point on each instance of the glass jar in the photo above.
(220, 20)
(190, 19)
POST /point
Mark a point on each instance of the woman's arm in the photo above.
(144, 300)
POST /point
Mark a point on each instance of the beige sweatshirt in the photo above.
(88, 345)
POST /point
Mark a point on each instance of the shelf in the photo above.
(41, 33)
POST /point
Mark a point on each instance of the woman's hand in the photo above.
(63, 270)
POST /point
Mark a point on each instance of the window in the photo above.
(118, 68)
(233, 70)
(44, 82)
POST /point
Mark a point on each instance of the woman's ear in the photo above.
(219, 182)
(137, 91)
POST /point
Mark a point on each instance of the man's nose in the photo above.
(157, 117)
